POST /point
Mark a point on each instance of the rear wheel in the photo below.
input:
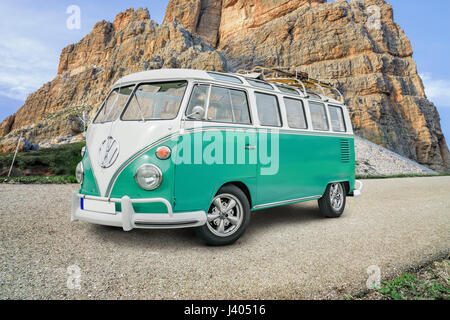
(332, 204)
(227, 219)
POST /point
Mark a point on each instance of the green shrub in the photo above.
(40, 179)
(60, 160)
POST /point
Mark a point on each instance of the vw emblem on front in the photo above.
(109, 151)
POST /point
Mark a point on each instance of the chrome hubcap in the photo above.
(225, 216)
(337, 196)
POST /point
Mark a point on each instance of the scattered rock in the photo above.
(29, 147)
(373, 160)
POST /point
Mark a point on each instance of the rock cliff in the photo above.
(356, 45)
(132, 43)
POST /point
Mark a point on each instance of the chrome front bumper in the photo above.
(129, 220)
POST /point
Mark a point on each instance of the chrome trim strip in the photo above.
(286, 202)
(165, 223)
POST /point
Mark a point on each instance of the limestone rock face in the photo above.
(132, 43)
(217, 20)
(247, 15)
(368, 59)
(198, 16)
(6, 125)
(356, 45)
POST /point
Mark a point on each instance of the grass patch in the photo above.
(40, 179)
(428, 283)
(58, 161)
(364, 177)
(410, 287)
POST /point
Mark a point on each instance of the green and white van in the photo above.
(178, 148)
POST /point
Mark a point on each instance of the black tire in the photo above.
(209, 234)
(328, 208)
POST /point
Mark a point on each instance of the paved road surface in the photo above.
(287, 252)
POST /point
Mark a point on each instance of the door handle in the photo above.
(249, 147)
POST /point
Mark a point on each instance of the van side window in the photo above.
(228, 105)
(295, 113)
(198, 98)
(337, 119)
(318, 116)
(241, 111)
(268, 110)
(219, 108)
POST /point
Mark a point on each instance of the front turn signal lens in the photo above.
(163, 153)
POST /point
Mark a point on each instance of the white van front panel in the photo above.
(110, 145)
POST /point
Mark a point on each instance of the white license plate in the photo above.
(98, 206)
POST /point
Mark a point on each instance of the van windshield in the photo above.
(114, 104)
(155, 101)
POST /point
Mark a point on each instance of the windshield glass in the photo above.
(155, 101)
(114, 104)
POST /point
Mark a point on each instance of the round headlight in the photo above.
(148, 177)
(83, 151)
(79, 173)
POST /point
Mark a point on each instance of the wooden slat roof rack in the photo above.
(285, 76)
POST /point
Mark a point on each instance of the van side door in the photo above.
(217, 149)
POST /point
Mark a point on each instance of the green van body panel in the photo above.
(126, 184)
(197, 182)
(308, 162)
(89, 186)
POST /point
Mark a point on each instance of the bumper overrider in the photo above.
(128, 219)
(358, 190)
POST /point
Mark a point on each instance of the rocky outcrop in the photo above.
(6, 125)
(368, 59)
(199, 16)
(373, 160)
(87, 69)
(217, 20)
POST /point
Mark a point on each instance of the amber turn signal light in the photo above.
(163, 153)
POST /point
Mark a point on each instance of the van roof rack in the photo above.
(285, 76)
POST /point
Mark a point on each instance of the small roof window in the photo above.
(314, 96)
(226, 78)
(288, 90)
(260, 84)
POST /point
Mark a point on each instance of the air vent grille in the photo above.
(345, 150)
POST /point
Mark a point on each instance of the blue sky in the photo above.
(35, 32)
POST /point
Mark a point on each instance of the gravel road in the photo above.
(287, 253)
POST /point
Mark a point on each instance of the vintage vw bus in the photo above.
(177, 148)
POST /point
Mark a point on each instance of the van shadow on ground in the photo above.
(262, 221)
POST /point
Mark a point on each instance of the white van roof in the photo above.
(176, 74)
(164, 74)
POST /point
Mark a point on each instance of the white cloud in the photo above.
(437, 90)
(25, 65)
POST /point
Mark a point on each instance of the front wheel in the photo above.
(227, 219)
(332, 204)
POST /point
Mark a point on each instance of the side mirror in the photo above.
(198, 113)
